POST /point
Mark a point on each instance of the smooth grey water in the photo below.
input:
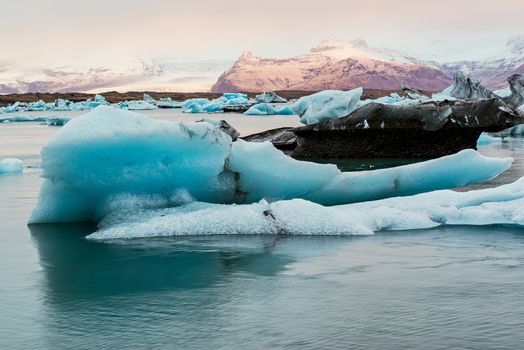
(444, 288)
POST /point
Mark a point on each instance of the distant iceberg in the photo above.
(54, 120)
(327, 105)
(204, 105)
(269, 97)
(137, 105)
(108, 154)
(268, 109)
(11, 166)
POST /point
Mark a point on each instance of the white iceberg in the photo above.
(327, 105)
(268, 109)
(109, 153)
(11, 166)
(501, 205)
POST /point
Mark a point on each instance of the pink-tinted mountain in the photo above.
(340, 65)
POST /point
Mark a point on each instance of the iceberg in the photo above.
(15, 107)
(269, 97)
(167, 102)
(194, 105)
(55, 120)
(268, 109)
(22, 119)
(500, 205)
(327, 105)
(516, 131)
(108, 154)
(11, 166)
(38, 106)
(281, 177)
(137, 105)
(516, 86)
(486, 139)
(203, 105)
(465, 87)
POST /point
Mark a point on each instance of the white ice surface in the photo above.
(501, 205)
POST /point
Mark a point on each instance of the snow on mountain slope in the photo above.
(331, 65)
(133, 74)
(491, 69)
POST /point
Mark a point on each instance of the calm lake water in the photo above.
(444, 288)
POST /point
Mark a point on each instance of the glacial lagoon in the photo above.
(446, 287)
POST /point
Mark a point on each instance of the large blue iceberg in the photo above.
(109, 159)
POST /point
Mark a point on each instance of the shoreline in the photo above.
(115, 97)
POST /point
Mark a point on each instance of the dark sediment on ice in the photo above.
(427, 130)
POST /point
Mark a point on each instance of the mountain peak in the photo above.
(246, 55)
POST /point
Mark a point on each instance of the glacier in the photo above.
(501, 205)
(326, 105)
(11, 166)
(269, 109)
(108, 154)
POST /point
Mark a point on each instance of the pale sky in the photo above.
(51, 32)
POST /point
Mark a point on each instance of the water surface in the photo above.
(443, 288)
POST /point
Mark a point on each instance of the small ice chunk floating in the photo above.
(11, 166)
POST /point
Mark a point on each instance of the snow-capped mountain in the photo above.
(329, 65)
(332, 65)
(493, 70)
(340, 65)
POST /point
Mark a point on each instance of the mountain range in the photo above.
(331, 64)
(346, 65)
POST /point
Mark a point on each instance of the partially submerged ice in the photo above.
(502, 205)
(11, 166)
(110, 159)
(54, 120)
(327, 105)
